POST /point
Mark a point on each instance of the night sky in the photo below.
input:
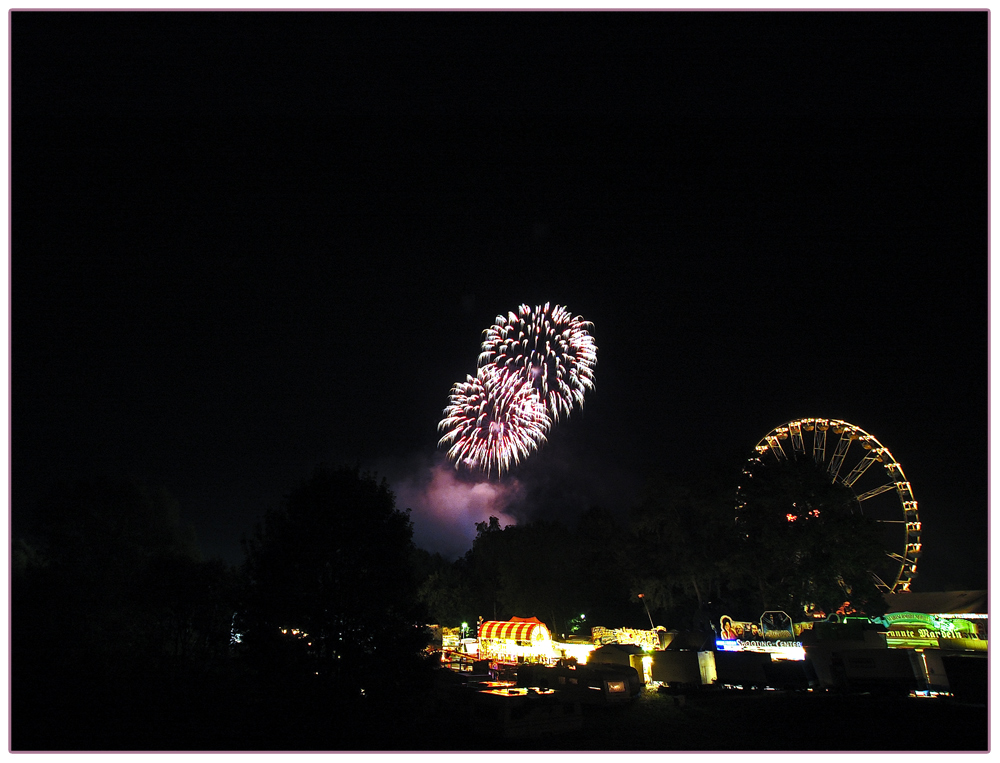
(247, 243)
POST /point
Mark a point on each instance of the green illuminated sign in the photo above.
(915, 629)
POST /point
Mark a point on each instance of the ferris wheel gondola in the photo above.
(857, 460)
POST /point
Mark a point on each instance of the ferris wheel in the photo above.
(847, 453)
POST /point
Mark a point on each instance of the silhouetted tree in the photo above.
(331, 600)
(524, 570)
(484, 563)
(85, 565)
(604, 552)
(805, 542)
(682, 536)
(538, 573)
(448, 597)
(425, 563)
(196, 601)
(113, 612)
(444, 590)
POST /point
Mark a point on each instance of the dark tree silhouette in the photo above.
(85, 561)
(444, 589)
(805, 543)
(448, 596)
(113, 612)
(484, 562)
(196, 602)
(683, 541)
(603, 555)
(331, 600)
(538, 573)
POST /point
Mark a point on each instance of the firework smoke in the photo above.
(445, 507)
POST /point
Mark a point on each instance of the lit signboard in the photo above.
(647, 639)
(916, 630)
(779, 650)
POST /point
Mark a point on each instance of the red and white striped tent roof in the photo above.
(515, 630)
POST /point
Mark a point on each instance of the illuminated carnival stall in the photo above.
(515, 641)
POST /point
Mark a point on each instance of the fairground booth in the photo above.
(514, 641)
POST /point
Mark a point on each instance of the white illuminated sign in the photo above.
(779, 650)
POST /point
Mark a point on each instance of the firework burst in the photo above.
(549, 349)
(493, 420)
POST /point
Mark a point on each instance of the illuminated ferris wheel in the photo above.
(856, 459)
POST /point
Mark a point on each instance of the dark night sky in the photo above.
(246, 243)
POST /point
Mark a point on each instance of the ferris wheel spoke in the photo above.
(819, 441)
(838, 455)
(795, 430)
(898, 557)
(861, 468)
(775, 445)
(877, 491)
(881, 583)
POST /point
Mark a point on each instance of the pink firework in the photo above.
(550, 349)
(493, 420)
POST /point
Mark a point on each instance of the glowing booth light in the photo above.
(577, 651)
(516, 640)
